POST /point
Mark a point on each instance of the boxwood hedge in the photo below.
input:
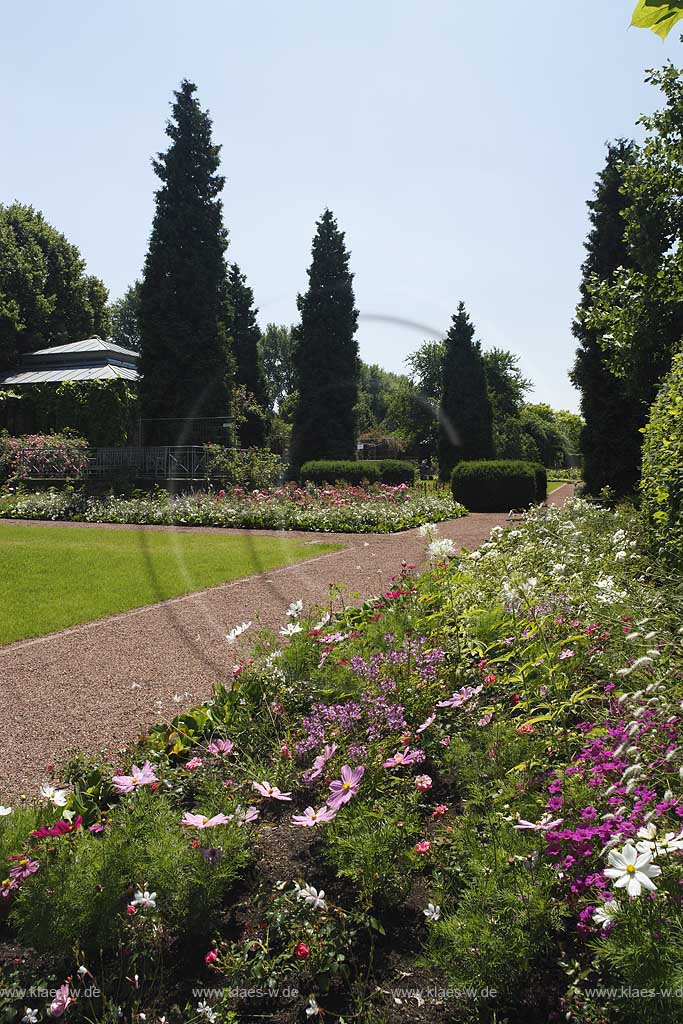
(386, 471)
(498, 485)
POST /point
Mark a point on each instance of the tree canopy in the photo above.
(658, 15)
(46, 296)
(185, 358)
(245, 335)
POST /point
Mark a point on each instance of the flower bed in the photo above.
(378, 509)
(460, 802)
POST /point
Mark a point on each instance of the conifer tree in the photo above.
(326, 358)
(611, 439)
(185, 358)
(245, 336)
(465, 416)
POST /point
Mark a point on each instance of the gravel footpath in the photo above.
(96, 687)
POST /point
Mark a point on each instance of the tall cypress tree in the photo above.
(326, 358)
(611, 439)
(465, 416)
(185, 359)
(245, 336)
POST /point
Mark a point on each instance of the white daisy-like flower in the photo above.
(290, 629)
(650, 843)
(441, 549)
(432, 912)
(4, 811)
(311, 896)
(236, 631)
(632, 870)
(606, 913)
(57, 797)
(30, 1016)
(144, 899)
(206, 1011)
(312, 1007)
(295, 609)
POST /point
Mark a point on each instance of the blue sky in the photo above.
(456, 148)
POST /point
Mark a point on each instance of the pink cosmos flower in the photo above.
(341, 790)
(222, 747)
(445, 742)
(211, 957)
(246, 817)
(460, 697)
(425, 725)
(201, 821)
(491, 678)
(265, 789)
(321, 760)
(439, 811)
(566, 654)
(311, 817)
(193, 764)
(61, 1001)
(544, 825)
(403, 757)
(423, 783)
(143, 776)
(423, 847)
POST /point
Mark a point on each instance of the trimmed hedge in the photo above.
(498, 485)
(661, 483)
(385, 471)
(541, 481)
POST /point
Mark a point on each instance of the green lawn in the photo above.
(54, 577)
(554, 484)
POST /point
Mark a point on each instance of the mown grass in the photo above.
(53, 577)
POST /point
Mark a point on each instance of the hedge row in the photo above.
(661, 483)
(499, 485)
(385, 471)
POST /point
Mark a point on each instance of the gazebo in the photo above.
(92, 359)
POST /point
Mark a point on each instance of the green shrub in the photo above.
(249, 467)
(495, 486)
(386, 471)
(661, 482)
(541, 481)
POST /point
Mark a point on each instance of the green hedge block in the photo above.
(495, 486)
(387, 471)
(661, 483)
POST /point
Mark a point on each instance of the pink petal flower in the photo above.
(311, 817)
(342, 790)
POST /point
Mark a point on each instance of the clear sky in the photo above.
(455, 140)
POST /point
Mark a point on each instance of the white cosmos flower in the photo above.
(649, 843)
(632, 870)
(290, 629)
(204, 1010)
(311, 896)
(4, 811)
(312, 1007)
(295, 609)
(432, 912)
(429, 531)
(57, 797)
(237, 631)
(30, 1016)
(145, 899)
(606, 913)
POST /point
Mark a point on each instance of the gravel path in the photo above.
(96, 687)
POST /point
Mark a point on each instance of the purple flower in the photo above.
(461, 697)
(341, 790)
(321, 760)
(143, 776)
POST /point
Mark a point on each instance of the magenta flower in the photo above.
(460, 697)
(321, 760)
(265, 789)
(143, 776)
(311, 817)
(341, 790)
(423, 847)
(403, 757)
(223, 747)
(201, 821)
(61, 1001)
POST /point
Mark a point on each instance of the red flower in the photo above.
(302, 951)
(211, 957)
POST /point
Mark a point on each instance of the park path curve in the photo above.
(98, 686)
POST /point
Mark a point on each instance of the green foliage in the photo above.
(87, 880)
(43, 456)
(252, 467)
(542, 439)
(465, 415)
(103, 411)
(610, 441)
(185, 360)
(495, 486)
(387, 471)
(125, 313)
(276, 348)
(662, 477)
(658, 15)
(245, 335)
(326, 354)
(46, 297)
